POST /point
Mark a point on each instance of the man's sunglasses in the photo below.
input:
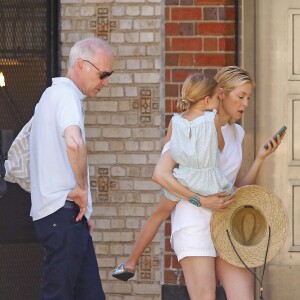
(102, 75)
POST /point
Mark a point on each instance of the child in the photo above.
(196, 140)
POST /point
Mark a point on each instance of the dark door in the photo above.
(28, 61)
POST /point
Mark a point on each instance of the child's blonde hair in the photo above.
(195, 88)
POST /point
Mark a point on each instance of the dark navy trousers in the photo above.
(70, 270)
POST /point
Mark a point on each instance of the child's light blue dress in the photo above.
(194, 146)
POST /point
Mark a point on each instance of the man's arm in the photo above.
(77, 154)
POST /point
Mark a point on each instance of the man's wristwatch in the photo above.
(195, 199)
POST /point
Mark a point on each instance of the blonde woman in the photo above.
(188, 230)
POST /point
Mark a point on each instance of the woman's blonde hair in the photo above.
(195, 88)
(228, 78)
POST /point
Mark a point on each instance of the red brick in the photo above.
(209, 59)
(168, 106)
(167, 14)
(211, 28)
(167, 229)
(171, 29)
(171, 59)
(167, 75)
(230, 59)
(168, 43)
(229, 13)
(226, 44)
(186, 59)
(186, 13)
(170, 276)
(168, 259)
(167, 120)
(212, 2)
(210, 44)
(175, 263)
(209, 2)
(171, 90)
(181, 74)
(168, 247)
(186, 44)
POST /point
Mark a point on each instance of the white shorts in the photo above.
(193, 241)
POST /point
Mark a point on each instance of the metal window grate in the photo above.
(27, 53)
(28, 59)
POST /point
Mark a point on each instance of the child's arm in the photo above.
(221, 142)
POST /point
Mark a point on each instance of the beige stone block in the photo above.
(147, 198)
(118, 171)
(101, 248)
(119, 132)
(148, 77)
(116, 145)
(117, 287)
(116, 249)
(105, 159)
(125, 185)
(132, 159)
(132, 210)
(147, 10)
(132, 11)
(121, 78)
(118, 120)
(101, 146)
(147, 145)
(117, 236)
(140, 185)
(117, 37)
(124, 105)
(104, 211)
(147, 37)
(131, 119)
(103, 119)
(144, 289)
(118, 11)
(93, 132)
(132, 223)
(146, 24)
(88, 11)
(102, 224)
(147, 64)
(141, 133)
(117, 223)
(131, 145)
(125, 24)
(131, 91)
(133, 64)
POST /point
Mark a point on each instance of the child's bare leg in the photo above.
(149, 230)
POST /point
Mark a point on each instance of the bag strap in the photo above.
(265, 262)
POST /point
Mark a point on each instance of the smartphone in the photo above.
(279, 132)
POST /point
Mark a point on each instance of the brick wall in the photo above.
(199, 37)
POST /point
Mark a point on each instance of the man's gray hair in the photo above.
(86, 49)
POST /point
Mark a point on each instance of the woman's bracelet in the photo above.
(195, 199)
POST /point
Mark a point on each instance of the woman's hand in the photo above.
(272, 146)
(217, 201)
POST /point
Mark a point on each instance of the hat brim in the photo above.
(276, 219)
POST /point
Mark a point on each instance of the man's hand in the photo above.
(79, 196)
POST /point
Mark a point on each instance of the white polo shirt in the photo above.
(51, 175)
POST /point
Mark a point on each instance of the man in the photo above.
(60, 192)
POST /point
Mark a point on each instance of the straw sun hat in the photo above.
(252, 230)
